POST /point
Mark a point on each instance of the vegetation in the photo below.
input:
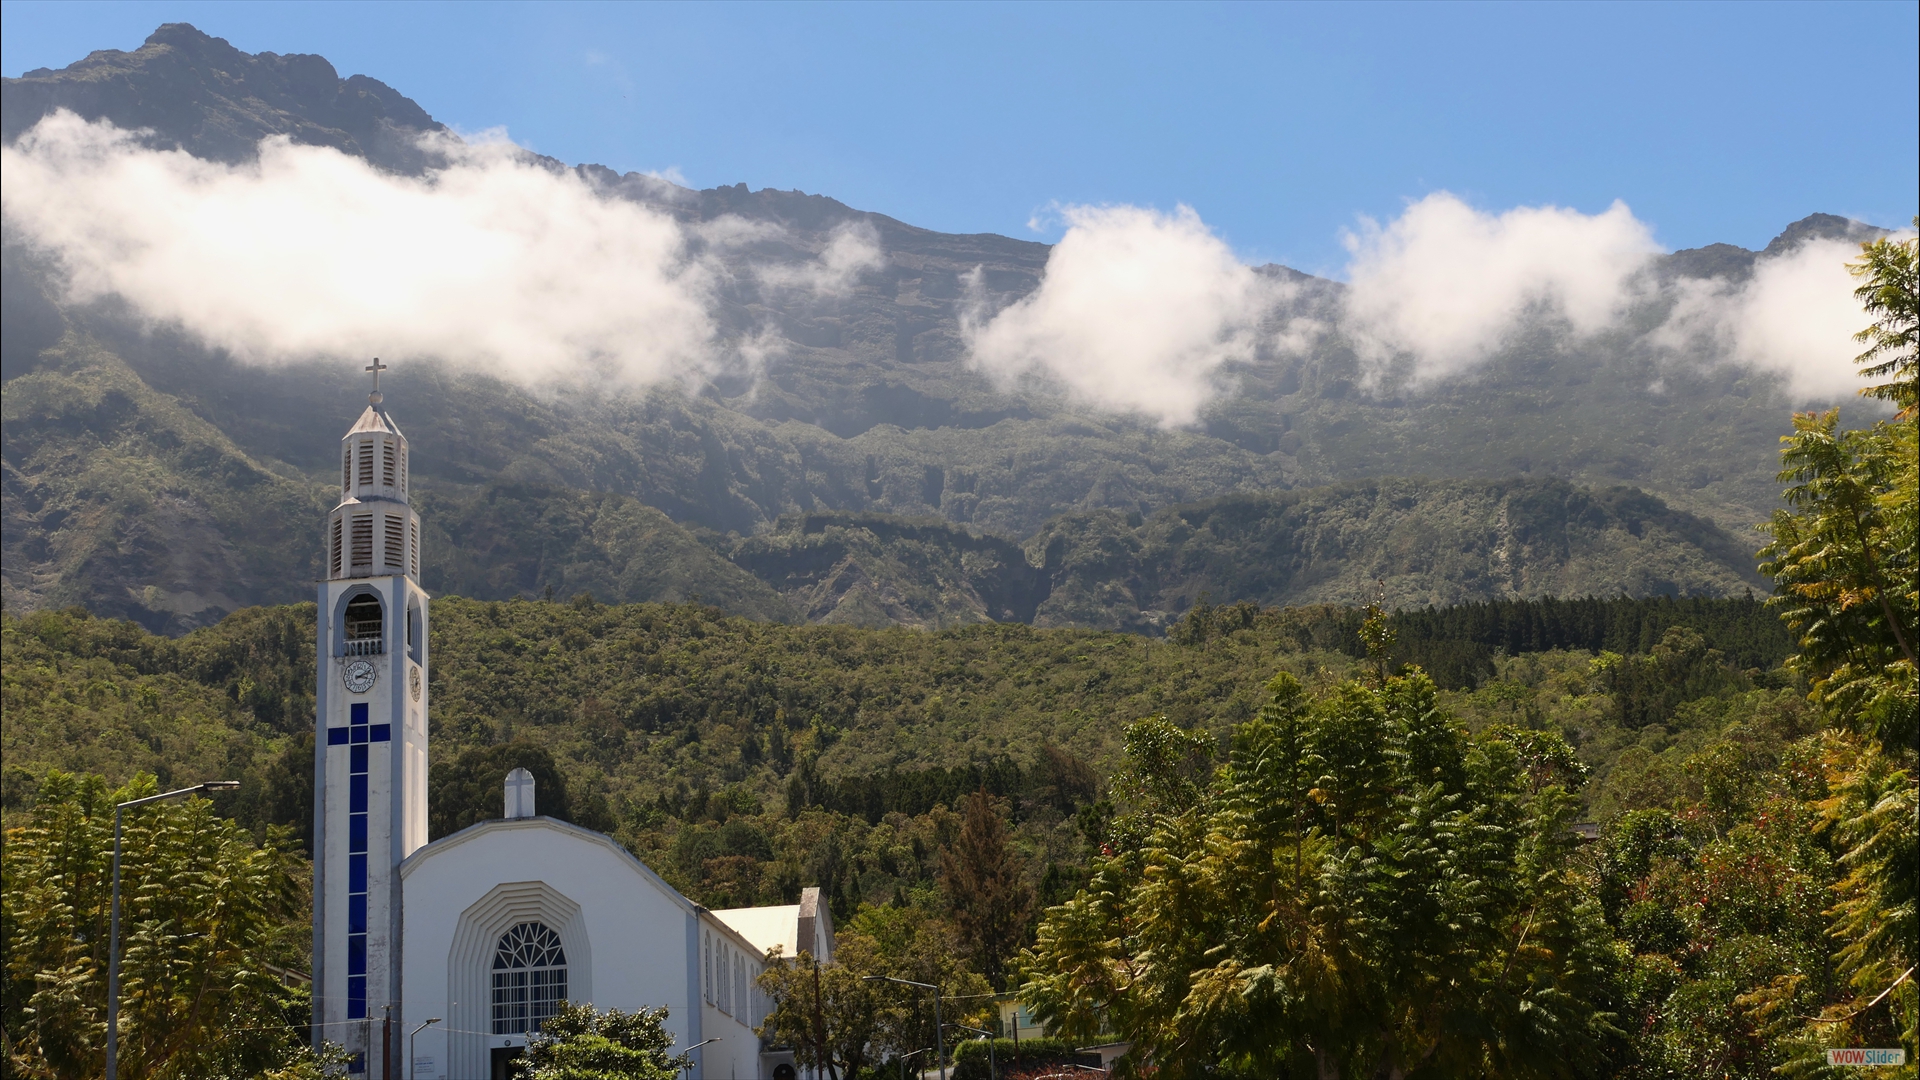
(1361, 890)
(212, 937)
(578, 1043)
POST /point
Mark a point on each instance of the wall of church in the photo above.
(731, 1002)
(626, 934)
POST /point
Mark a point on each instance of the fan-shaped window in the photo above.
(529, 978)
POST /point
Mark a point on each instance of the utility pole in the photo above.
(113, 934)
(819, 1028)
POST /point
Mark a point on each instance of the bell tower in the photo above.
(370, 749)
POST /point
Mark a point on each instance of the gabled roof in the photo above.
(480, 830)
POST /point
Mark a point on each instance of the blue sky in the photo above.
(1282, 125)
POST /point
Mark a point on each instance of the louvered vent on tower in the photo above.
(366, 464)
(413, 549)
(396, 529)
(387, 463)
(333, 560)
(363, 538)
(346, 469)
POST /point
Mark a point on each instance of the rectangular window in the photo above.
(396, 542)
(366, 464)
(509, 1002)
(362, 540)
(357, 712)
(357, 794)
(357, 1001)
(357, 832)
(356, 873)
(357, 914)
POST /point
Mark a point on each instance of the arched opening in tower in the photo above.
(364, 619)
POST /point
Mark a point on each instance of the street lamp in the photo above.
(939, 1040)
(910, 1057)
(993, 1071)
(113, 934)
(696, 1046)
(413, 1048)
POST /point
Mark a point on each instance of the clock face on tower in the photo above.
(413, 682)
(360, 676)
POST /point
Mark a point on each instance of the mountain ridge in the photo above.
(869, 406)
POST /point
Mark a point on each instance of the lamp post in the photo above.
(939, 1040)
(910, 1057)
(113, 934)
(413, 1046)
(696, 1046)
(993, 1071)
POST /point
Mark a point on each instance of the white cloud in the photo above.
(493, 262)
(1136, 312)
(1796, 316)
(1446, 283)
(852, 249)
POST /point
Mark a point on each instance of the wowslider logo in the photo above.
(1866, 1058)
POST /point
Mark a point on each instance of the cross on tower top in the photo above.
(376, 367)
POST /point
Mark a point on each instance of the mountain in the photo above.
(133, 451)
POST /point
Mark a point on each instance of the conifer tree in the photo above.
(987, 888)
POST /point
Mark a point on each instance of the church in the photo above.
(437, 961)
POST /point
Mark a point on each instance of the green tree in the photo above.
(829, 1013)
(1891, 294)
(577, 1043)
(208, 920)
(839, 1019)
(1842, 559)
(1361, 891)
(1847, 579)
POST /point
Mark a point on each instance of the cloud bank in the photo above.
(493, 263)
(1795, 316)
(1447, 283)
(502, 264)
(1136, 313)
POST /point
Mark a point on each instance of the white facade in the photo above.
(487, 929)
(630, 941)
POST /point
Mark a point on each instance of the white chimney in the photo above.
(519, 794)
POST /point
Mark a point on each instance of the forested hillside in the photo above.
(865, 401)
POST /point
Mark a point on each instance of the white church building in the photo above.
(437, 961)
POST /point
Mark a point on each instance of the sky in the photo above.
(1287, 128)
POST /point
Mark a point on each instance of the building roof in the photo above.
(480, 830)
(375, 419)
(766, 927)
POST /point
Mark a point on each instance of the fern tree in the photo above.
(1362, 890)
